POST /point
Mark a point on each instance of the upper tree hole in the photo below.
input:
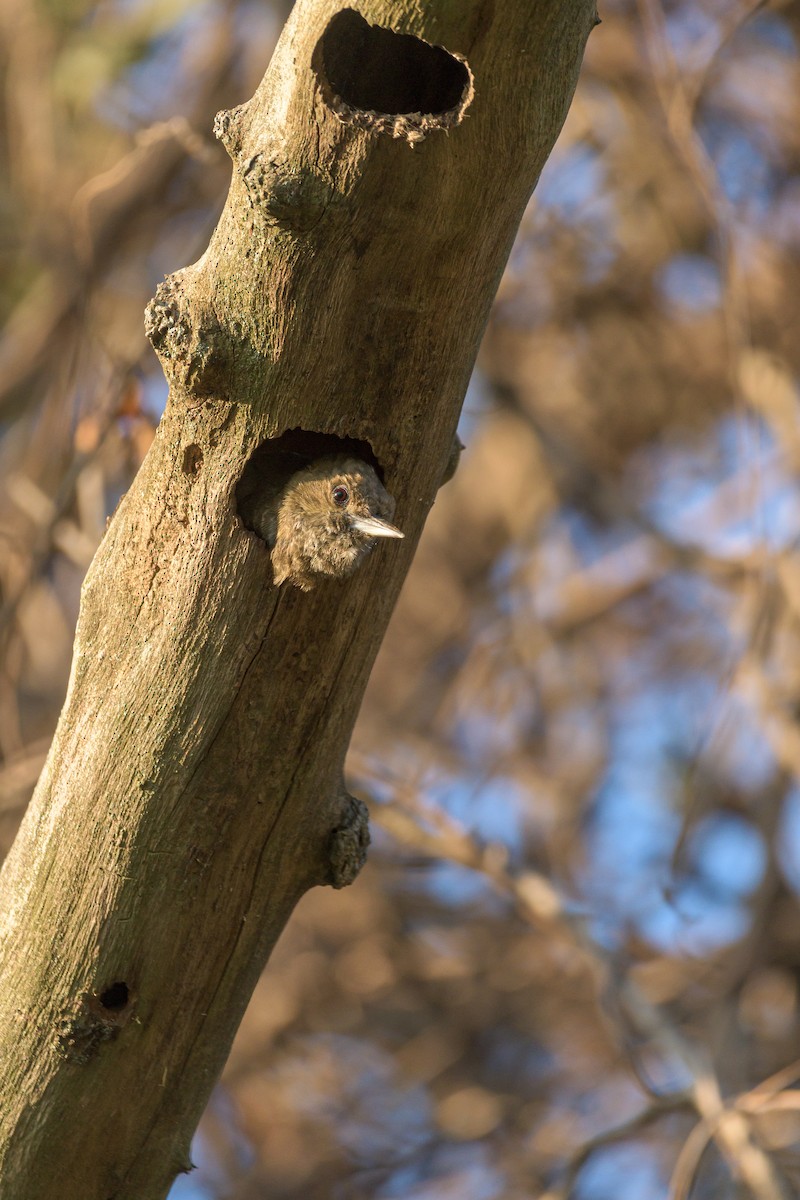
(374, 68)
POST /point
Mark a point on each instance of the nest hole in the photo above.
(373, 68)
(272, 464)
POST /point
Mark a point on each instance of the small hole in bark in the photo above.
(373, 68)
(192, 460)
(115, 997)
(273, 463)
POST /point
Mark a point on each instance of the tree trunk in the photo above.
(194, 788)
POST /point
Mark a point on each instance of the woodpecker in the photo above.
(325, 521)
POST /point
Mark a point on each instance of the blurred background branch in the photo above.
(572, 967)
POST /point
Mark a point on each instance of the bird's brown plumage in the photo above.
(326, 519)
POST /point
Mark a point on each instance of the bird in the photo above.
(326, 519)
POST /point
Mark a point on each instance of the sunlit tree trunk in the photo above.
(194, 788)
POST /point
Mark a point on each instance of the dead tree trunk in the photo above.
(194, 788)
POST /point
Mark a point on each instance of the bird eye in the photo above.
(340, 495)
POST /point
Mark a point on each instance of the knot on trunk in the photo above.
(349, 841)
(294, 198)
(191, 345)
(453, 459)
(228, 128)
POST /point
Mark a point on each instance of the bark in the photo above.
(194, 788)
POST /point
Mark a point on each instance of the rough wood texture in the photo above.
(194, 788)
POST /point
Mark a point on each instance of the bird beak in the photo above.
(375, 527)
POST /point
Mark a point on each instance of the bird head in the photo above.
(329, 516)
